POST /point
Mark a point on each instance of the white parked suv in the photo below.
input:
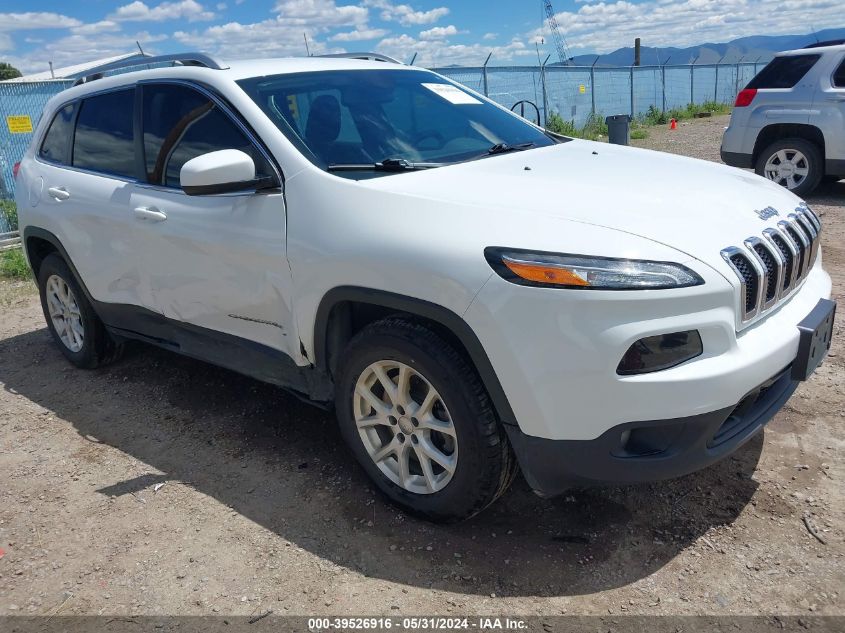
(474, 295)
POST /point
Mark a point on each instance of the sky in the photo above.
(440, 32)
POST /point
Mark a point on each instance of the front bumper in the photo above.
(737, 159)
(649, 451)
(555, 353)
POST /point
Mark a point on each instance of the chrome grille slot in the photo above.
(803, 246)
(808, 227)
(789, 254)
(773, 270)
(741, 264)
(813, 218)
(772, 267)
(812, 224)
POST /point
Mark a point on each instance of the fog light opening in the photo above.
(656, 353)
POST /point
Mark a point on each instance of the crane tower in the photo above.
(560, 41)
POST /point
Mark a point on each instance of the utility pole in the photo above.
(637, 52)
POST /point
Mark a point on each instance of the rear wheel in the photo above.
(75, 327)
(794, 163)
(419, 421)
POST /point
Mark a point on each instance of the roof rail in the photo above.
(374, 57)
(827, 43)
(184, 59)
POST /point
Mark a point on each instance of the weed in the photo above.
(559, 125)
(8, 215)
(596, 127)
(13, 265)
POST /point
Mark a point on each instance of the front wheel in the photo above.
(420, 423)
(794, 163)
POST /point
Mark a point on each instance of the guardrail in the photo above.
(11, 240)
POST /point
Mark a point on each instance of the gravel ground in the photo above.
(262, 508)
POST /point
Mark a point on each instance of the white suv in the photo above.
(471, 292)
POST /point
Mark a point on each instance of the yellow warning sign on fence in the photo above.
(19, 124)
(582, 89)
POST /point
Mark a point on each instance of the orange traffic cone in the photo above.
(673, 124)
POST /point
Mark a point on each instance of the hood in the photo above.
(694, 206)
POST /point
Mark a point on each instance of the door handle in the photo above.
(150, 214)
(59, 193)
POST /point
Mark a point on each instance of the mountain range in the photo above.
(749, 49)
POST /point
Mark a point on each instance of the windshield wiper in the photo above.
(388, 164)
(504, 148)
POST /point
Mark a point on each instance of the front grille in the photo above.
(771, 268)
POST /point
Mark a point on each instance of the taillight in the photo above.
(745, 97)
(15, 169)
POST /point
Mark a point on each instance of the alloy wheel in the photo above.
(787, 167)
(64, 313)
(406, 427)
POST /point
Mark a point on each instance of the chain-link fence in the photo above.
(577, 92)
(21, 104)
(573, 92)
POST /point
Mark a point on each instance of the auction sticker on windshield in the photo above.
(452, 94)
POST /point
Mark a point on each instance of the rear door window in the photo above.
(181, 123)
(104, 140)
(56, 144)
(839, 76)
(784, 72)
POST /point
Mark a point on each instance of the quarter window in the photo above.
(179, 124)
(784, 72)
(104, 139)
(57, 140)
(839, 76)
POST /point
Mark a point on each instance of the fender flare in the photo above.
(47, 236)
(417, 307)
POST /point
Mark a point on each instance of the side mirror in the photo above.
(224, 171)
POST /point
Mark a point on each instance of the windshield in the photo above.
(365, 117)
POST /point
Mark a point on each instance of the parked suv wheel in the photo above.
(794, 163)
(75, 327)
(419, 421)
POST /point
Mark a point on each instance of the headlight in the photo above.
(588, 273)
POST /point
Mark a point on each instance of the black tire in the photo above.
(485, 466)
(98, 348)
(814, 160)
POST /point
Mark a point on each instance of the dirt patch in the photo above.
(262, 507)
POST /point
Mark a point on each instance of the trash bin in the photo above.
(619, 129)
